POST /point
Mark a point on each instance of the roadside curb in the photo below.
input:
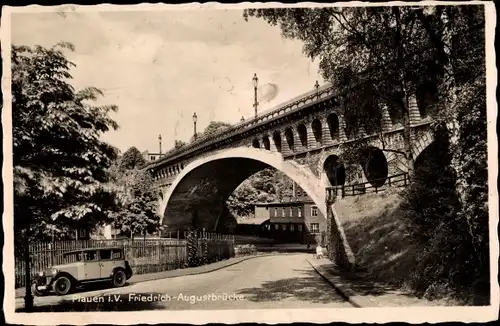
(187, 272)
(348, 294)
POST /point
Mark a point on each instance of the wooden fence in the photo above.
(144, 255)
(397, 180)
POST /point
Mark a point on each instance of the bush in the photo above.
(192, 250)
(435, 219)
(243, 250)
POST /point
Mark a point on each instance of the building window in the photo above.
(299, 212)
(283, 227)
(283, 211)
(314, 211)
(291, 211)
(299, 193)
(82, 233)
(153, 158)
(314, 227)
(299, 227)
(276, 226)
(275, 211)
(292, 227)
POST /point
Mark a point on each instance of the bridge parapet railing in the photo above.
(397, 180)
(280, 110)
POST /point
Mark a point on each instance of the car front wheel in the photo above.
(34, 289)
(119, 278)
(62, 285)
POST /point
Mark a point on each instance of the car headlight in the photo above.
(53, 271)
(40, 274)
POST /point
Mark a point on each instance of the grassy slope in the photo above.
(376, 234)
(384, 251)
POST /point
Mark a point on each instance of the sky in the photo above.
(159, 67)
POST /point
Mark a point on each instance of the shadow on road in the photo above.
(307, 287)
(362, 283)
(105, 302)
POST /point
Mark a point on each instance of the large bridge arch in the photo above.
(199, 192)
(211, 179)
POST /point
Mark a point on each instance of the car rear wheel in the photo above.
(62, 285)
(119, 278)
(34, 289)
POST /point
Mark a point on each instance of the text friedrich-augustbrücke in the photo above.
(140, 297)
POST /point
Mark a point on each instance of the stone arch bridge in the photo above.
(304, 138)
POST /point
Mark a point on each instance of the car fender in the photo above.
(68, 275)
(38, 279)
(117, 269)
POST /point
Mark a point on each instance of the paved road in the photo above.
(282, 281)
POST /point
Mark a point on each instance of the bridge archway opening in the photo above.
(198, 196)
(374, 166)
(302, 130)
(333, 126)
(317, 131)
(289, 139)
(266, 143)
(277, 140)
(429, 158)
(335, 170)
(255, 143)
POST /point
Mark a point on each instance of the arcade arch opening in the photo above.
(335, 170)
(374, 165)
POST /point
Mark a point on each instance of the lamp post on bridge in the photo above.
(195, 119)
(317, 89)
(255, 81)
(159, 142)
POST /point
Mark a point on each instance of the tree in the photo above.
(132, 159)
(264, 186)
(472, 168)
(242, 201)
(387, 54)
(215, 127)
(137, 200)
(59, 161)
(178, 144)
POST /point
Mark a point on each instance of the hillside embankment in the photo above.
(377, 233)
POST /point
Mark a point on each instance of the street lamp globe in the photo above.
(195, 118)
(255, 80)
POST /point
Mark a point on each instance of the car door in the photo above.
(91, 267)
(107, 262)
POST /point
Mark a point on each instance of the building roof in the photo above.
(295, 201)
(253, 221)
